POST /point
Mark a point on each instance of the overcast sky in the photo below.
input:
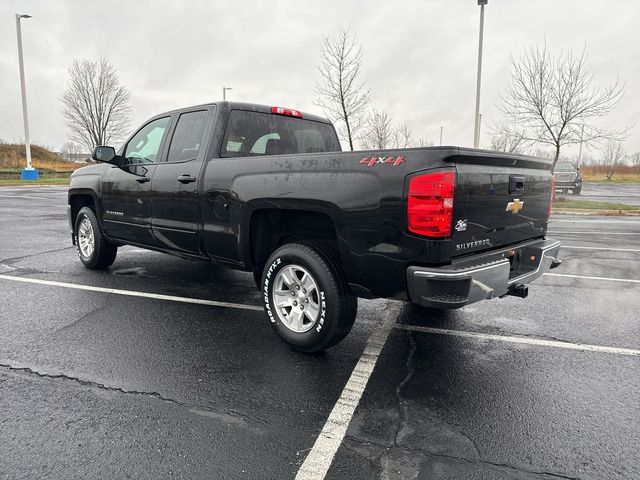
(419, 56)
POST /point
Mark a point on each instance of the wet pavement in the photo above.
(626, 193)
(97, 384)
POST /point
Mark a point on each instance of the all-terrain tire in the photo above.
(95, 251)
(288, 270)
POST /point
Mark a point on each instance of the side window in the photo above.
(187, 137)
(145, 145)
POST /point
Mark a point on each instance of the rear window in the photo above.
(254, 134)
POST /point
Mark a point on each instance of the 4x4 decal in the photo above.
(372, 161)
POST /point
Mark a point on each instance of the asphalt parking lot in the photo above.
(627, 193)
(166, 368)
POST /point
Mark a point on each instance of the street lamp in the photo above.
(476, 129)
(28, 173)
(224, 92)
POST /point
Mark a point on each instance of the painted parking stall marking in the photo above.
(319, 459)
(624, 222)
(521, 340)
(606, 249)
(586, 277)
(132, 293)
(583, 232)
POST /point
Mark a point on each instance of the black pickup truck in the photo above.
(267, 190)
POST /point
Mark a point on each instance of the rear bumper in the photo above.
(500, 273)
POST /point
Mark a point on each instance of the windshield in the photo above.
(565, 166)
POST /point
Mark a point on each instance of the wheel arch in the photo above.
(270, 228)
(79, 198)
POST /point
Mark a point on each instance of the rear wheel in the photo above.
(94, 250)
(306, 297)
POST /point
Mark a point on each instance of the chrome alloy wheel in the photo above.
(296, 298)
(86, 239)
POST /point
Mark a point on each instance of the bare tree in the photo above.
(588, 161)
(378, 131)
(421, 142)
(71, 148)
(402, 137)
(96, 106)
(541, 152)
(553, 100)
(343, 96)
(508, 139)
(634, 158)
(613, 155)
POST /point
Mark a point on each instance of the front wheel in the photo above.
(306, 297)
(94, 250)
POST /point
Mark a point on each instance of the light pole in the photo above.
(580, 151)
(224, 92)
(441, 135)
(476, 129)
(28, 173)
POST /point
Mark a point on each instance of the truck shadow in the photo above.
(417, 315)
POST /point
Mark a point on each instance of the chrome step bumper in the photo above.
(491, 275)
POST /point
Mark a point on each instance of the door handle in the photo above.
(142, 179)
(186, 179)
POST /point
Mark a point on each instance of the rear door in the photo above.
(499, 200)
(248, 137)
(126, 188)
(176, 182)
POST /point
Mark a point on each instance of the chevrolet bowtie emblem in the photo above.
(515, 206)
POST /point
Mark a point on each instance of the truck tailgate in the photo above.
(500, 200)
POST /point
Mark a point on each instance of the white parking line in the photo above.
(319, 459)
(636, 250)
(584, 277)
(132, 293)
(577, 232)
(522, 340)
(631, 221)
(20, 197)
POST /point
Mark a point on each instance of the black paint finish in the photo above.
(360, 206)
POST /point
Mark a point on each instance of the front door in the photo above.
(176, 181)
(126, 188)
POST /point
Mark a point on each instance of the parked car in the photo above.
(567, 177)
(267, 190)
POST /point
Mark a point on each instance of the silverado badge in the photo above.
(515, 206)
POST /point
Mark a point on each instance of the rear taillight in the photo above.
(289, 112)
(553, 191)
(430, 207)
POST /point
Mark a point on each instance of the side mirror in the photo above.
(103, 154)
